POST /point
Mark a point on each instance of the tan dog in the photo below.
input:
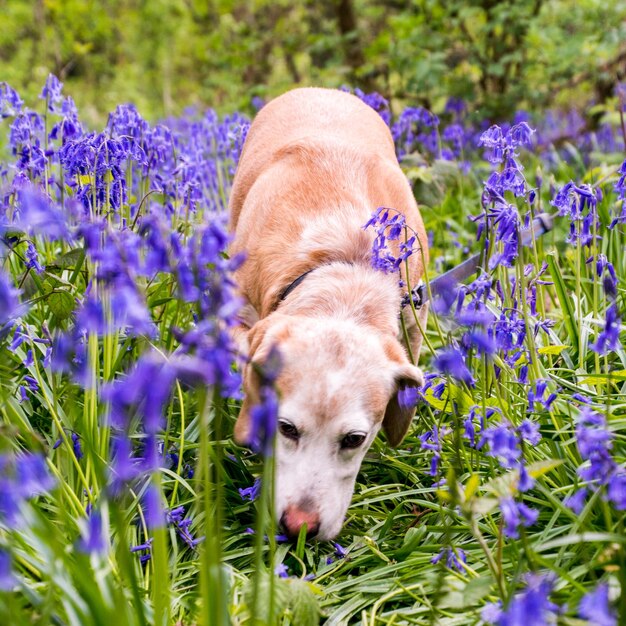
(315, 165)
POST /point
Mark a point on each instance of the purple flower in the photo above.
(32, 258)
(7, 578)
(433, 440)
(579, 203)
(51, 92)
(37, 215)
(469, 423)
(408, 397)
(594, 607)
(591, 434)
(389, 224)
(376, 102)
(153, 507)
(10, 101)
(516, 514)
(264, 416)
(529, 432)
(530, 607)
(576, 501)
(144, 547)
(281, 571)
(93, 540)
(503, 443)
(264, 420)
(340, 552)
(9, 303)
(616, 490)
(22, 477)
(450, 361)
(181, 523)
(537, 396)
(608, 338)
(455, 558)
(416, 131)
(251, 493)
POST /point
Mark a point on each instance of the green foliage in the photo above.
(165, 55)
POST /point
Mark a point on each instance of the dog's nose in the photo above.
(294, 518)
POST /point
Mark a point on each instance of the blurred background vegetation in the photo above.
(166, 55)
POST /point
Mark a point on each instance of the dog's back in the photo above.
(315, 165)
(304, 117)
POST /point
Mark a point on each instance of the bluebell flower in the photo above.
(537, 397)
(7, 578)
(263, 422)
(579, 202)
(22, 477)
(93, 540)
(154, 509)
(32, 258)
(469, 423)
(616, 490)
(177, 518)
(408, 397)
(454, 558)
(281, 571)
(28, 359)
(516, 514)
(594, 607)
(450, 361)
(529, 607)
(340, 551)
(9, 302)
(620, 188)
(576, 501)
(10, 102)
(251, 493)
(503, 443)
(608, 337)
(51, 92)
(415, 130)
(433, 440)
(146, 548)
(264, 415)
(37, 215)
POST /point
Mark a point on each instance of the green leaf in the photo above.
(70, 258)
(476, 589)
(600, 379)
(565, 301)
(61, 304)
(540, 468)
(552, 349)
(471, 486)
(304, 605)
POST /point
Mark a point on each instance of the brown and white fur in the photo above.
(315, 165)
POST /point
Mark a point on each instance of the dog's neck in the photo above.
(347, 291)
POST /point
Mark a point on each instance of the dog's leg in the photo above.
(414, 333)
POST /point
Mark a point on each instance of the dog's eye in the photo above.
(287, 429)
(352, 440)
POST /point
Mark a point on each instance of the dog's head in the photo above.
(338, 386)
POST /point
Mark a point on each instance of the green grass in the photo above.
(399, 519)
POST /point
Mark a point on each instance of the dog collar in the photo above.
(289, 288)
(419, 295)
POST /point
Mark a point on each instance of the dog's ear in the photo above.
(257, 353)
(398, 415)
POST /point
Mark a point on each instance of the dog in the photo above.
(315, 164)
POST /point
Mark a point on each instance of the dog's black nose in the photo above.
(294, 518)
